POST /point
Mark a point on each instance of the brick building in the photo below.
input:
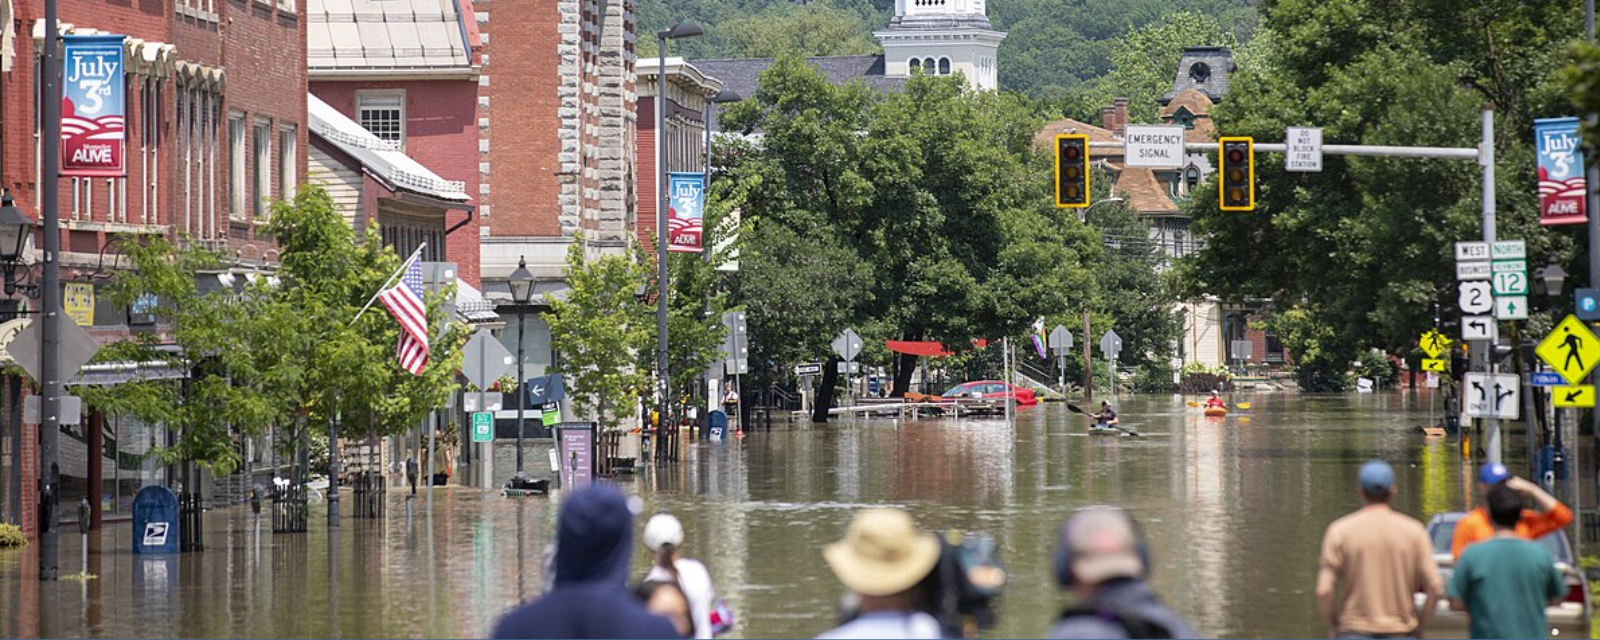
(689, 92)
(410, 76)
(215, 126)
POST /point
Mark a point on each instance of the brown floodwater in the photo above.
(1233, 509)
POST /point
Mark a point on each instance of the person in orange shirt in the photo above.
(1475, 527)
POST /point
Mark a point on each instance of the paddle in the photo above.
(1074, 408)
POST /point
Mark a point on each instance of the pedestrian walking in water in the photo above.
(665, 598)
(1101, 559)
(1550, 515)
(880, 560)
(411, 472)
(663, 536)
(1504, 583)
(1379, 558)
(594, 542)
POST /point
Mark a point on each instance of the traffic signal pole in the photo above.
(1483, 154)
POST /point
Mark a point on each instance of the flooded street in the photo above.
(1233, 510)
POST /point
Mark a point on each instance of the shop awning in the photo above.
(926, 348)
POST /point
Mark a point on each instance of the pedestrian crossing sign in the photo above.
(1433, 343)
(1579, 396)
(1432, 364)
(1571, 349)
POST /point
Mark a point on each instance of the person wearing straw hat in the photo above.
(881, 560)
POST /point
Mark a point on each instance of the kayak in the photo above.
(1104, 430)
(1216, 412)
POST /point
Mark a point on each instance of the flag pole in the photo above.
(403, 266)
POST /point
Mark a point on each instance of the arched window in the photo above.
(927, 66)
(944, 66)
(913, 65)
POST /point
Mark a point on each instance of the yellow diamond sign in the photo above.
(1433, 343)
(1571, 349)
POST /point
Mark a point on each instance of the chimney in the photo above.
(1119, 109)
(1108, 118)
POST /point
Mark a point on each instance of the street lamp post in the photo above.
(521, 282)
(685, 29)
(50, 296)
(14, 231)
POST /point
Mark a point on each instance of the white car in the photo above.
(1568, 619)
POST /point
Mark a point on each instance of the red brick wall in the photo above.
(645, 152)
(442, 134)
(524, 145)
(263, 51)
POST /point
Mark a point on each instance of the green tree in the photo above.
(807, 29)
(600, 329)
(1144, 61)
(1357, 255)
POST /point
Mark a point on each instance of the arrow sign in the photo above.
(1478, 328)
(1429, 364)
(1493, 395)
(847, 345)
(1111, 344)
(1511, 307)
(1580, 396)
(808, 369)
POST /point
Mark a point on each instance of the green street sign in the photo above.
(483, 427)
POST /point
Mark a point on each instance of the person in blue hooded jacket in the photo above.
(594, 543)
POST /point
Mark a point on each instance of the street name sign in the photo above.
(1473, 270)
(1431, 364)
(1578, 396)
(1433, 343)
(1511, 307)
(1545, 379)
(1478, 328)
(1492, 395)
(1153, 146)
(1571, 349)
(483, 427)
(1304, 149)
(1476, 297)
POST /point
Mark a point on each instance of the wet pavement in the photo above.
(1233, 509)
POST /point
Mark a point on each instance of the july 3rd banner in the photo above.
(685, 223)
(1561, 181)
(92, 106)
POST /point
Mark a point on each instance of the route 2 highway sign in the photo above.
(1475, 297)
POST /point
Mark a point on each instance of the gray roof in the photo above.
(1215, 65)
(742, 75)
(383, 159)
(354, 36)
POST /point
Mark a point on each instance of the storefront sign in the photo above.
(686, 192)
(92, 106)
(1561, 181)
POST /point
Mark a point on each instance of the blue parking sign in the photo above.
(1587, 304)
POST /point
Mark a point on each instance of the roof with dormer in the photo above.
(1199, 105)
(1047, 134)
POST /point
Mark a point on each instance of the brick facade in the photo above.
(558, 114)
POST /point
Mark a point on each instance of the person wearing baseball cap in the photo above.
(882, 559)
(1549, 514)
(663, 536)
(1381, 557)
(1102, 561)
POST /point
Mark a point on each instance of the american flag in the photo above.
(404, 301)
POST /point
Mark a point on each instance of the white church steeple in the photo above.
(942, 37)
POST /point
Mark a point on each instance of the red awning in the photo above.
(926, 348)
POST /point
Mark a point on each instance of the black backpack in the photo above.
(1136, 625)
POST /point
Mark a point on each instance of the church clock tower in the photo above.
(942, 37)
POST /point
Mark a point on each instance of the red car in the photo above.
(991, 389)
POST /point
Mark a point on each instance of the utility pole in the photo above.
(50, 300)
(1486, 158)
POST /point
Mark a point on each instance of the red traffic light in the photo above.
(1236, 185)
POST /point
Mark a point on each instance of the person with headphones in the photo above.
(1102, 560)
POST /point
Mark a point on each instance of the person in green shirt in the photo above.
(1504, 583)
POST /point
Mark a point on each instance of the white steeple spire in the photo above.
(942, 37)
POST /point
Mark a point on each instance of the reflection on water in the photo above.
(1233, 509)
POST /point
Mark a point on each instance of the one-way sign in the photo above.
(1493, 395)
(808, 369)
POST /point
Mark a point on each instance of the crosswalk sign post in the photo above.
(1571, 349)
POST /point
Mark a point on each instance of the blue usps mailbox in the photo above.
(155, 521)
(716, 425)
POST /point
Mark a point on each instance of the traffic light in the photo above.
(1072, 170)
(1238, 181)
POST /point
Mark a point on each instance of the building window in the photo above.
(1184, 117)
(263, 168)
(288, 150)
(944, 66)
(384, 114)
(928, 66)
(237, 194)
(1274, 354)
(913, 65)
